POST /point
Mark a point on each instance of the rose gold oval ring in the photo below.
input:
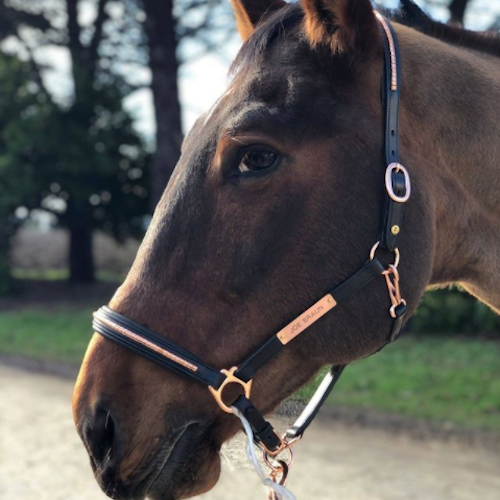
(388, 183)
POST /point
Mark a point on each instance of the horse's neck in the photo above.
(452, 128)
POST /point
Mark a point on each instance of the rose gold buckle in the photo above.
(397, 255)
(388, 183)
(270, 456)
(230, 379)
(391, 275)
(270, 453)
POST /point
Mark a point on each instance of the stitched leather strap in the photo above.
(393, 211)
(118, 328)
(273, 346)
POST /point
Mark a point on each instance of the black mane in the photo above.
(410, 15)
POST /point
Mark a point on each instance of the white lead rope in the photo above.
(280, 490)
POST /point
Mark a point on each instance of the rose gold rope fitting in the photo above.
(392, 280)
(391, 275)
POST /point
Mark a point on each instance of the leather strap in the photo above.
(273, 346)
(263, 431)
(114, 326)
(311, 410)
(393, 211)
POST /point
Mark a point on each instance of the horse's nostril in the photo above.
(100, 436)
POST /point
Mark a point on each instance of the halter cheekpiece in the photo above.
(169, 355)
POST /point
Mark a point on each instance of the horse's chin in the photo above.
(202, 480)
(191, 469)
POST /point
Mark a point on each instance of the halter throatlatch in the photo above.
(169, 355)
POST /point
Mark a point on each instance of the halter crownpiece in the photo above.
(169, 355)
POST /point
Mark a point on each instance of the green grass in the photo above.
(439, 378)
(56, 336)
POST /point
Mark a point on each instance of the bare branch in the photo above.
(98, 30)
(457, 11)
(35, 67)
(74, 31)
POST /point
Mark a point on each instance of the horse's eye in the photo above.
(257, 160)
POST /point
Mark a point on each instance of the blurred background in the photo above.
(95, 97)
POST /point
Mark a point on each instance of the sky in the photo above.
(204, 80)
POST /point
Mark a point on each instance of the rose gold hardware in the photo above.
(397, 255)
(276, 464)
(392, 50)
(230, 379)
(292, 442)
(270, 453)
(269, 457)
(388, 183)
(395, 230)
(306, 319)
(150, 345)
(283, 470)
(392, 279)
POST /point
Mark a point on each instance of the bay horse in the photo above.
(276, 197)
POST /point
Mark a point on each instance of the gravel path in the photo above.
(41, 457)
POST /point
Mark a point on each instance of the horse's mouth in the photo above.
(189, 468)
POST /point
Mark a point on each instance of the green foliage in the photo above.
(454, 311)
(441, 379)
(84, 163)
(88, 162)
(57, 335)
(20, 108)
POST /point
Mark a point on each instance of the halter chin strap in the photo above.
(169, 355)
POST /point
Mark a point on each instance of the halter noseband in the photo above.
(169, 355)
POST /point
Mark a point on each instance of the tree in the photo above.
(457, 10)
(169, 26)
(160, 29)
(89, 162)
(20, 109)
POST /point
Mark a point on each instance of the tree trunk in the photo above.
(81, 258)
(5, 275)
(162, 43)
(457, 11)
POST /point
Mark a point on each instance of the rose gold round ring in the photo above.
(397, 255)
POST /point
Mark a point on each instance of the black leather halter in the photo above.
(169, 355)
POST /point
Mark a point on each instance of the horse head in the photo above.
(277, 197)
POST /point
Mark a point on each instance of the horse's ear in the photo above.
(249, 13)
(343, 25)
